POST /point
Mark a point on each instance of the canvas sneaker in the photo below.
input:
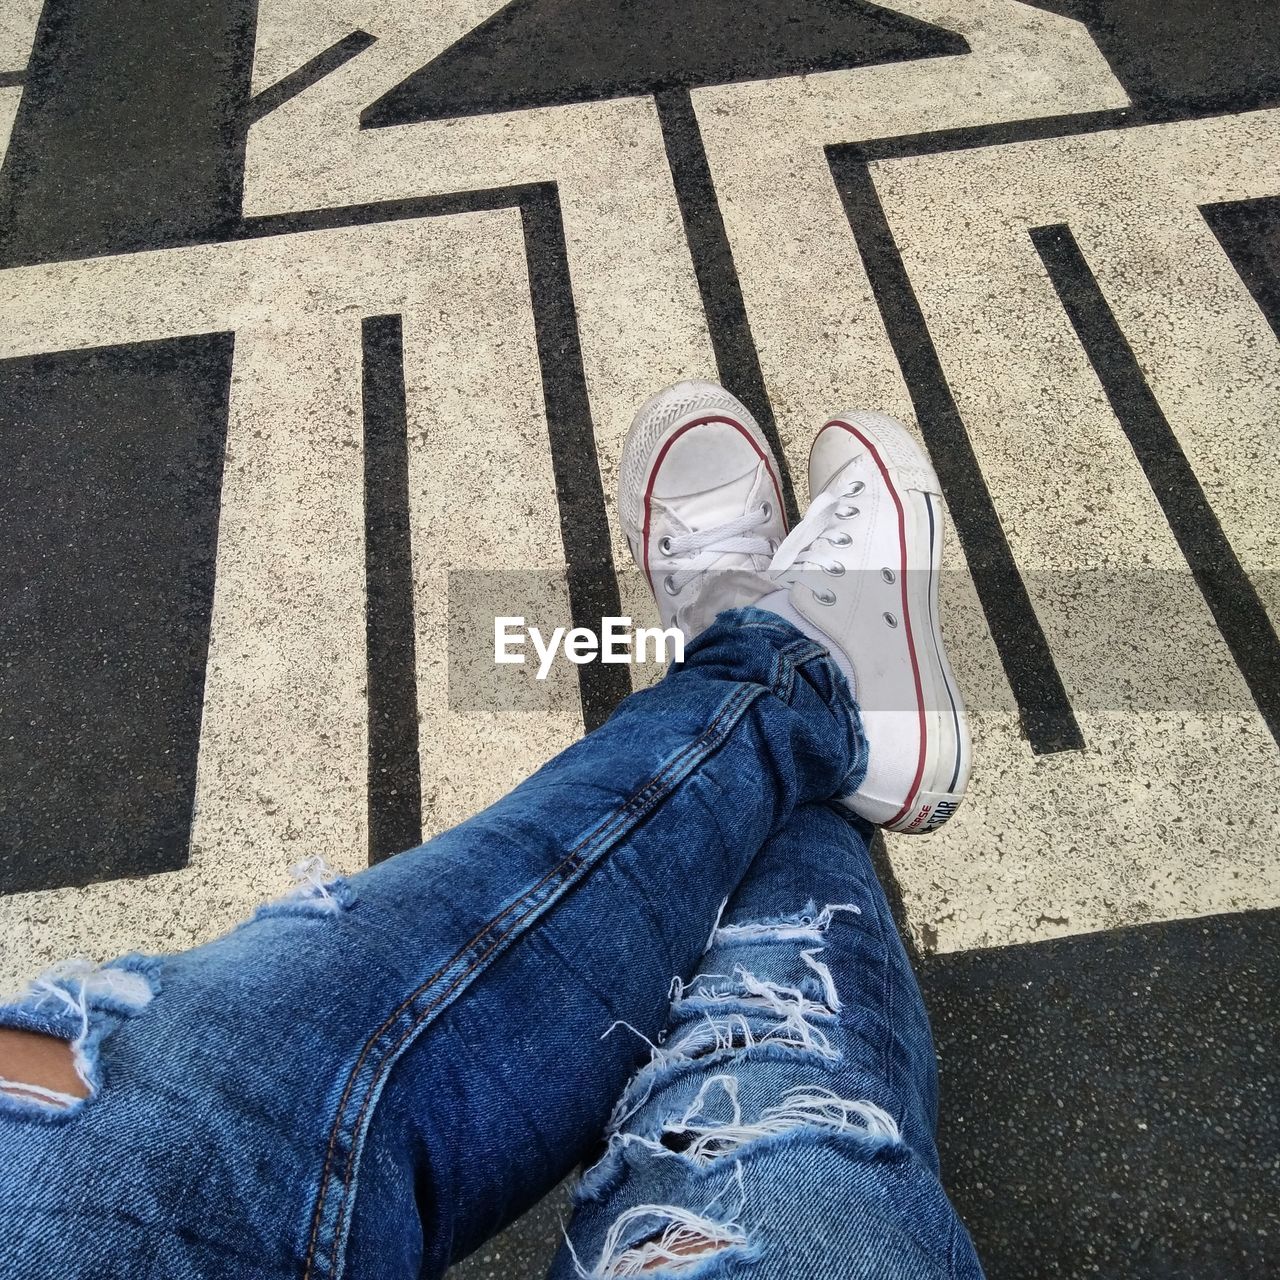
(860, 574)
(698, 493)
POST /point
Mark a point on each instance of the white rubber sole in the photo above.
(946, 752)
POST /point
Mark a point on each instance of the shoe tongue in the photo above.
(709, 508)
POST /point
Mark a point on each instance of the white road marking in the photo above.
(482, 499)
(1174, 807)
(818, 332)
(638, 305)
(1045, 845)
(18, 22)
(10, 100)
(282, 43)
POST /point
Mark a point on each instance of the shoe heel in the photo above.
(930, 810)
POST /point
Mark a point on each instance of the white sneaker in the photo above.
(698, 492)
(861, 571)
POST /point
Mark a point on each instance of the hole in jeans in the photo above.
(676, 1240)
(37, 1067)
(50, 1032)
(676, 1255)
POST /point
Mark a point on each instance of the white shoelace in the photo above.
(699, 549)
(819, 525)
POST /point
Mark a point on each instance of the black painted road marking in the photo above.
(735, 350)
(395, 777)
(541, 53)
(336, 55)
(1180, 56)
(129, 134)
(1227, 589)
(990, 135)
(359, 215)
(584, 524)
(1249, 232)
(109, 506)
(1043, 706)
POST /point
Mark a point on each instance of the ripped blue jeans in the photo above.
(664, 955)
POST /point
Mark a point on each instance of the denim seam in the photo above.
(890, 1035)
(774, 628)
(786, 637)
(570, 864)
(805, 650)
(784, 677)
(795, 654)
(648, 795)
(951, 1248)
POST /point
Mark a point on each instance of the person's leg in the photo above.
(371, 1078)
(312, 1095)
(786, 1116)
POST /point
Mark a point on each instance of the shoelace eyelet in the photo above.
(835, 570)
(846, 513)
(840, 539)
(767, 511)
(856, 489)
(664, 545)
(888, 575)
(668, 585)
(890, 619)
(823, 596)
